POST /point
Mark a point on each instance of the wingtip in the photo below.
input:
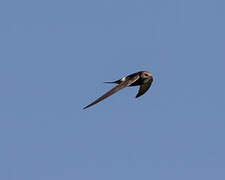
(137, 96)
(85, 107)
(88, 106)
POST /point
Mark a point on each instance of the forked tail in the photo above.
(116, 82)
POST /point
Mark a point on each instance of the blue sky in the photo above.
(55, 56)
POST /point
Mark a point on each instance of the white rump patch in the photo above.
(123, 79)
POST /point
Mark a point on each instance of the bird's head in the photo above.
(146, 76)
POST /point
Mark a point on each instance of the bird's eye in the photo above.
(146, 74)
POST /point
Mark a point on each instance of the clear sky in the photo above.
(55, 56)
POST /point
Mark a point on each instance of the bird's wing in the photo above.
(143, 88)
(115, 89)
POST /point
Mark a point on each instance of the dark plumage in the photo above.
(143, 79)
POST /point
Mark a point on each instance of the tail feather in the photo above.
(109, 82)
(116, 82)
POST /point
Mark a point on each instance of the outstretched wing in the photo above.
(122, 85)
(143, 88)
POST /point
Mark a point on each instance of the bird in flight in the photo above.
(143, 79)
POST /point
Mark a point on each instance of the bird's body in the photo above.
(143, 79)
